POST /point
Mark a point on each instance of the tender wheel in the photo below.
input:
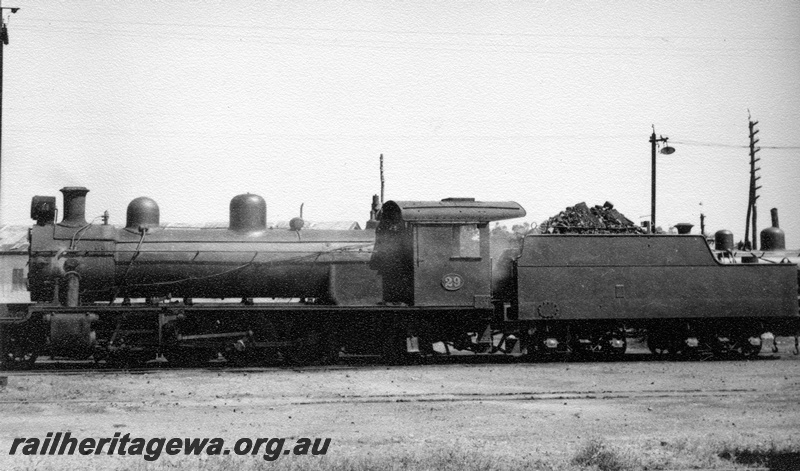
(616, 345)
(719, 345)
(528, 348)
(673, 342)
(549, 343)
(659, 345)
(611, 343)
(749, 346)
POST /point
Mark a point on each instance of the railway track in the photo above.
(49, 367)
(91, 370)
(536, 396)
(332, 398)
(564, 395)
(81, 369)
(773, 349)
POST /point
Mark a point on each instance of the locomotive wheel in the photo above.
(16, 354)
(20, 360)
(394, 350)
(329, 353)
(188, 357)
(314, 348)
(128, 359)
(250, 357)
(302, 355)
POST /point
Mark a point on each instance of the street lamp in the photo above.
(666, 150)
(3, 42)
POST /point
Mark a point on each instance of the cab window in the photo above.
(466, 241)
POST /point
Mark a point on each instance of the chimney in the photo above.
(74, 206)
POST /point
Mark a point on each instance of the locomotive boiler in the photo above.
(98, 262)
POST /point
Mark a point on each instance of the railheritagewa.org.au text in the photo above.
(63, 443)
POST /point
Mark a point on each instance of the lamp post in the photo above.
(665, 150)
(3, 42)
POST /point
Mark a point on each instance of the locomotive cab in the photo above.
(436, 253)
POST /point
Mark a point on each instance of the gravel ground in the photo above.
(537, 411)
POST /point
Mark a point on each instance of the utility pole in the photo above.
(3, 44)
(653, 182)
(751, 204)
(703, 225)
(382, 181)
(666, 150)
(377, 203)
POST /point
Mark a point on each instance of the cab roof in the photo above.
(453, 210)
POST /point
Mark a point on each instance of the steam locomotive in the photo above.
(424, 280)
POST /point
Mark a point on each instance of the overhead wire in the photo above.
(404, 45)
(734, 146)
(324, 137)
(658, 37)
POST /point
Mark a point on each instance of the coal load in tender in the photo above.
(581, 219)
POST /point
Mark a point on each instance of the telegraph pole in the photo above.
(703, 225)
(377, 203)
(382, 181)
(751, 204)
(3, 44)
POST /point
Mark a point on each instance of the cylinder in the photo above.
(723, 240)
(248, 213)
(684, 227)
(73, 289)
(74, 206)
(71, 334)
(142, 212)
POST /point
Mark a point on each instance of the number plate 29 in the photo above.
(452, 282)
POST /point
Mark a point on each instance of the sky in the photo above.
(547, 104)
